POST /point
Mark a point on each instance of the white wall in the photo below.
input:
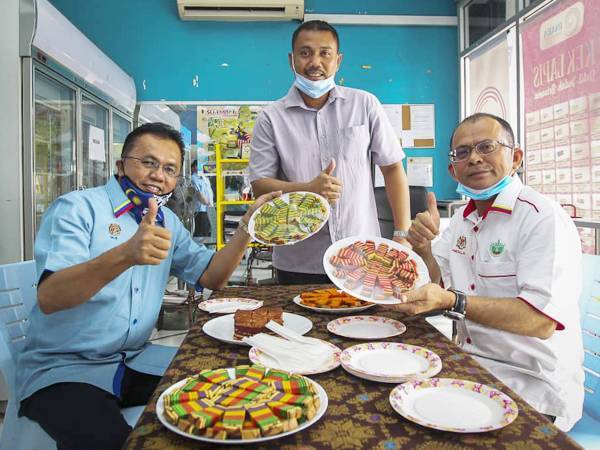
(11, 179)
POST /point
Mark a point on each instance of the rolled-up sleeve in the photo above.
(264, 158)
(64, 236)
(385, 145)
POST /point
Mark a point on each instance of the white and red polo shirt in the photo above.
(524, 246)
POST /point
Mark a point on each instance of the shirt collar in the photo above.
(504, 202)
(119, 202)
(294, 99)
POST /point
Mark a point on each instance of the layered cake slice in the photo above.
(249, 323)
(248, 407)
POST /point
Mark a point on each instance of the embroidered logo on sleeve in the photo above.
(114, 229)
(497, 248)
(461, 244)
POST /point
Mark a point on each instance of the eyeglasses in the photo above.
(462, 153)
(169, 170)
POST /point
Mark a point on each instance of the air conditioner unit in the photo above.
(241, 10)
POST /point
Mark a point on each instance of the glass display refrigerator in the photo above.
(78, 108)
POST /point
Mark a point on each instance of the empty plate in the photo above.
(229, 305)
(366, 327)
(434, 403)
(390, 362)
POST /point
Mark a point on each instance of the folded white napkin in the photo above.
(228, 307)
(292, 356)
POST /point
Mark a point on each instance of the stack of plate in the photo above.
(390, 362)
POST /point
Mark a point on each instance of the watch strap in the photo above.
(401, 234)
(459, 310)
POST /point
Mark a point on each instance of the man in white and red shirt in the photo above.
(511, 260)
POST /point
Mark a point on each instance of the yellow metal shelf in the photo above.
(221, 202)
(234, 160)
(237, 202)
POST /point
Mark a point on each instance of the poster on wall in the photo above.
(414, 124)
(229, 126)
(491, 79)
(561, 82)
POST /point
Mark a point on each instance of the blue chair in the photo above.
(17, 297)
(587, 431)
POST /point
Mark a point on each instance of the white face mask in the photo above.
(314, 89)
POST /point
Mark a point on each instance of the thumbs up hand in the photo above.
(425, 227)
(150, 217)
(151, 243)
(326, 184)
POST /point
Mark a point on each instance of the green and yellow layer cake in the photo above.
(257, 402)
(278, 222)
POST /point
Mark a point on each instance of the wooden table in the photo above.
(359, 415)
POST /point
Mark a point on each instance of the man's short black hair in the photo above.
(508, 131)
(158, 129)
(316, 25)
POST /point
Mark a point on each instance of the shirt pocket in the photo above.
(355, 142)
(497, 279)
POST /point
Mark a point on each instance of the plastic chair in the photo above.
(18, 283)
(587, 431)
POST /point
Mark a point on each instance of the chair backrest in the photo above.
(418, 203)
(589, 305)
(17, 297)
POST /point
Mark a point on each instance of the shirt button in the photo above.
(468, 340)
(472, 287)
(476, 229)
(472, 257)
(136, 290)
(134, 321)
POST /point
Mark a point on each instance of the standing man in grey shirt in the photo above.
(320, 138)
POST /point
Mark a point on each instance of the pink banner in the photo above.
(561, 81)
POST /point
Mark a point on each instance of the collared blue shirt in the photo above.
(87, 343)
(202, 185)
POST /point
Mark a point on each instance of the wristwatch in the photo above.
(459, 310)
(401, 234)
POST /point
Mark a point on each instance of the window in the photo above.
(94, 124)
(483, 16)
(54, 142)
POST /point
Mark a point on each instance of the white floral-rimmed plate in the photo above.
(304, 229)
(298, 301)
(366, 327)
(448, 404)
(390, 362)
(229, 305)
(258, 357)
(160, 412)
(222, 327)
(377, 295)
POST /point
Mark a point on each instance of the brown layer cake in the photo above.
(249, 323)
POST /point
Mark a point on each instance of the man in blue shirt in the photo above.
(104, 256)
(204, 199)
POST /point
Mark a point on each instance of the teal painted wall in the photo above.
(248, 61)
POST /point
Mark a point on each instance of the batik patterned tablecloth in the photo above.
(359, 415)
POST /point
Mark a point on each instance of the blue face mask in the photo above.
(484, 194)
(139, 200)
(314, 89)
